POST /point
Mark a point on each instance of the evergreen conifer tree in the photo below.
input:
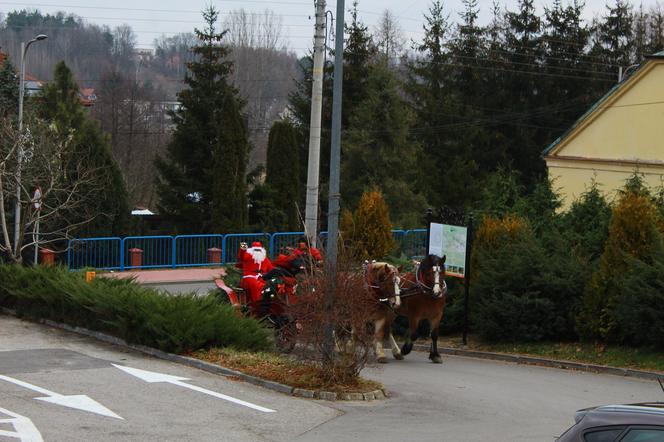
(202, 182)
(615, 35)
(8, 89)
(437, 92)
(525, 46)
(379, 152)
(282, 172)
(106, 200)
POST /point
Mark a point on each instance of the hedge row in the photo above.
(595, 272)
(129, 311)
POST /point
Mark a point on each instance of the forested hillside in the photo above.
(135, 88)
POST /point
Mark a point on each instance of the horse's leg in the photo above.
(411, 336)
(379, 337)
(433, 353)
(396, 351)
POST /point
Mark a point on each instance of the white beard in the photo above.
(258, 254)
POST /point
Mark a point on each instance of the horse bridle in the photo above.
(395, 280)
(438, 290)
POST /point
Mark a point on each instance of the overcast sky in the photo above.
(152, 18)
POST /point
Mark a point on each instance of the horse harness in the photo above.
(376, 287)
(420, 288)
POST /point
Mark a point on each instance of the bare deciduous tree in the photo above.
(66, 183)
(254, 30)
(263, 72)
(389, 36)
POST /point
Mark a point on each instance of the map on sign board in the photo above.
(450, 241)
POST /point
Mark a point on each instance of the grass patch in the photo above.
(610, 355)
(278, 368)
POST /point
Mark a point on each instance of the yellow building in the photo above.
(622, 133)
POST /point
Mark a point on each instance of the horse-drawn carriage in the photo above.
(419, 294)
(268, 289)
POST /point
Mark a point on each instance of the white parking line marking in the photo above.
(77, 401)
(151, 377)
(25, 429)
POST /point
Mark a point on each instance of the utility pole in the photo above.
(19, 166)
(335, 166)
(311, 211)
(335, 153)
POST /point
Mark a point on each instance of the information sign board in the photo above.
(450, 241)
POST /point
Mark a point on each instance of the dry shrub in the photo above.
(368, 232)
(494, 231)
(336, 332)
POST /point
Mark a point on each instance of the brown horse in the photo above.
(383, 283)
(422, 296)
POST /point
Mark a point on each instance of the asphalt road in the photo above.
(462, 400)
(67, 364)
(467, 399)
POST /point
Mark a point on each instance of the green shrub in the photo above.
(586, 224)
(125, 309)
(519, 290)
(634, 233)
(640, 312)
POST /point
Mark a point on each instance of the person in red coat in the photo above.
(254, 263)
(303, 250)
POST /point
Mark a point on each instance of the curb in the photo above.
(542, 362)
(209, 367)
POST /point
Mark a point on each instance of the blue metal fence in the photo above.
(199, 250)
(414, 243)
(156, 251)
(100, 253)
(279, 242)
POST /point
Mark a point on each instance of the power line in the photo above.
(266, 2)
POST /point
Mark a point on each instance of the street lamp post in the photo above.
(21, 93)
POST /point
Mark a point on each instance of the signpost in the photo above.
(453, 242)
(450, 241)
(36, 205)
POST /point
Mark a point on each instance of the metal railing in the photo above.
(100, 253)
(152, 252)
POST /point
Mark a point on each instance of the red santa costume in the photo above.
(303, 249)
(253, 262)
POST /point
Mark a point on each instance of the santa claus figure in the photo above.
(254, 263)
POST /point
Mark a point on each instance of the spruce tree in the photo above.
(106, 207)
(566, 39)
(379, 152)
(615, 35)
(437, 91)
(525, 131)
(8, 89)
(282, 172)
(202, 182)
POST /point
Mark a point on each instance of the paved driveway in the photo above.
(462, 400)
(41, 362)
(467, 399)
